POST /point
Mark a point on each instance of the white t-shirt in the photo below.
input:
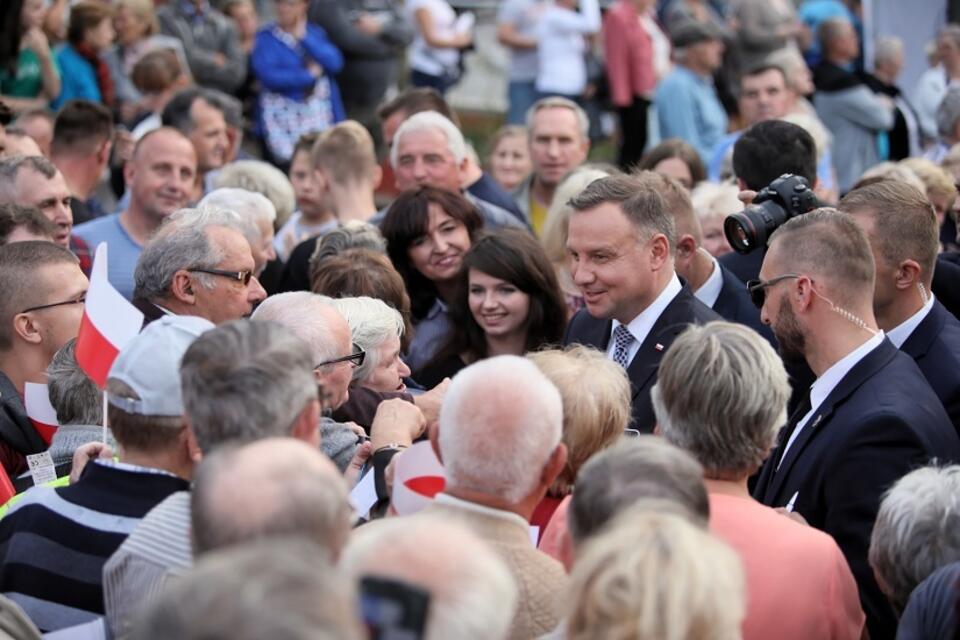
(423, 57)
(562, 66)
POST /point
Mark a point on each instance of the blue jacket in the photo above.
(77, 76)
(280, 70)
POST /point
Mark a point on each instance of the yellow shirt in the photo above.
(538, 215)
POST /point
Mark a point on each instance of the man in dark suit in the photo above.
(869, 418)
(622, 242)
(902, 229)
(710, 282)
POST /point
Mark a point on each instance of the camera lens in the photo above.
(740, 232)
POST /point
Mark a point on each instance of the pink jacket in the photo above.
(629, 54)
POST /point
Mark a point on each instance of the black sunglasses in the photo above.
(240, 276)
(356, 358)
(79, 300)
(758, 288)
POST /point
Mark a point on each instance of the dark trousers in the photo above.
(633, 132)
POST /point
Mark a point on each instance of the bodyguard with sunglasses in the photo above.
(200, 264)
(869, 418)
(42, 290)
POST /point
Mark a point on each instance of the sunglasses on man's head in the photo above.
(758, 288)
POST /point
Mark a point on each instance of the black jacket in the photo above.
(18, 438)
(879, 423)
(682, 311)
(935, 346)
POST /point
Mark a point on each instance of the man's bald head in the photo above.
(272, 487)
(828, 246)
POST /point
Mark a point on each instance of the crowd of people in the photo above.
(386, 388)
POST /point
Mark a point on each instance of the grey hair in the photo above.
(298, 491)
(643, 468)
(473, 595)
(248, 204)
(268, 589)
(245, 381)
(721, 394)
(887, 49)
(372, 322)
(948, 113)
(10, 168)
(352, 235)
(499, 448)
(260, 177)
(431, 121)
(917, 530)
(303, 314)
(182, 243)
(75, 397)
(557, 102)
(951, 30)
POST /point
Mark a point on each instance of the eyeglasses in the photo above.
(240, 276)
(79, 300)
(758, 288)
(356, 358)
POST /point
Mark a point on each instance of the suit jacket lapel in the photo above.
(664, 331)
(918, 343)
(726, 304)
(869, 365)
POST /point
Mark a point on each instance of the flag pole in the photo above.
(104, 416)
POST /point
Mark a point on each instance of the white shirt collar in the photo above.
(709, 291)
(509, 516)
(899, 334)
(640, 326)
(826, 383)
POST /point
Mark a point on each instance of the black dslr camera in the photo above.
(782, 199)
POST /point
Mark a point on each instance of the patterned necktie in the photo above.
(622, 339)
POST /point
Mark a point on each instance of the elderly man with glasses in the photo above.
(40, 310)
(199, 263)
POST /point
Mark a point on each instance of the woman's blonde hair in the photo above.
(655, 576)
(596, 404)
(143, 10)
(557, 224)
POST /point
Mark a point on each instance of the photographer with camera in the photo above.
(764, 152)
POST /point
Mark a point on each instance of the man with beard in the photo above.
(870, 416)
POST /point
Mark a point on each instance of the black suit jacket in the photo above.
(879, 423)
(744, 266)
(734, 304)
(595, 332)
(935, 346)
(946, 283)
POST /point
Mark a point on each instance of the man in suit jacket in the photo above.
(499, 460)
(710, 282)
(870, 416)
(622, 242)
(902, 229)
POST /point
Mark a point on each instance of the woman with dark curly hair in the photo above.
(428, 231)
(508, 303)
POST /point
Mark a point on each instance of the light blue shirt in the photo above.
(688, 108)
(122, 251)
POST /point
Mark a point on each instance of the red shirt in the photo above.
(629, 54)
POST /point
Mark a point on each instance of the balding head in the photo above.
(313, 318)
(829, 247)
(296, 490)
(503, 450)
(472, 593)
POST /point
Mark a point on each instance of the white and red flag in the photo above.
(42, 415)
(418, 476)
(109, 322)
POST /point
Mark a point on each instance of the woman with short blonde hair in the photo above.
(656, 576)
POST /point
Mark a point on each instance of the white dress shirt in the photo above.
(825, 384)
(899, 334)
(709, 291)
(640, 326)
